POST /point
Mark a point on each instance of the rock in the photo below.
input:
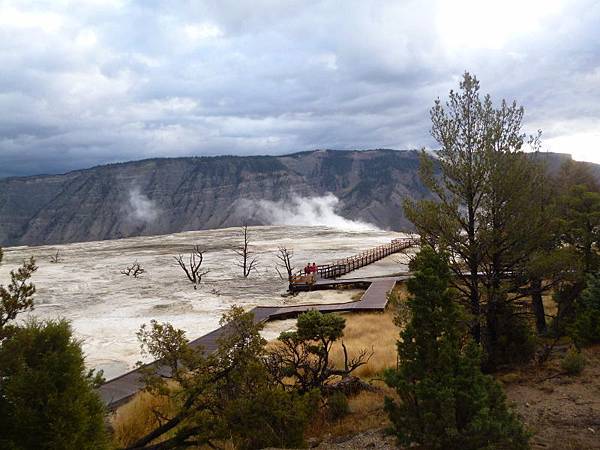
(313, 442)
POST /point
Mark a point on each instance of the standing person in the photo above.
(307, 269)
(314, 270)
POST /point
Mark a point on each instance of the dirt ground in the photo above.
(562, 412)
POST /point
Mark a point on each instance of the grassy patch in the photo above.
(138, 417)
(369, 330)
(365, 413)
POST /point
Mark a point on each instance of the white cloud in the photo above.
(584, 146)
(491, 24)
(199, 32)
(16, 18)
(93, 82)
(86, 39)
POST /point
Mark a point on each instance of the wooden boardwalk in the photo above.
(119, 390)
(302, 281)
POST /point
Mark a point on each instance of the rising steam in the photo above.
(140, 208)
(307, 211)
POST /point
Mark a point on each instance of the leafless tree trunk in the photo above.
(134, 270)
(55, 258)
(193, 268)
(247, 261)
(284, 255)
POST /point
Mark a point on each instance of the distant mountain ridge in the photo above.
(160, 196)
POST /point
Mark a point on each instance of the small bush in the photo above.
(270, 418)
(337, 406)
(573, 362)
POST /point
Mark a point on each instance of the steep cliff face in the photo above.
(162, 196)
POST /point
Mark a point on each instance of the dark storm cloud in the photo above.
(85, 83)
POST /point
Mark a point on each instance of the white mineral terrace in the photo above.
(106, 308)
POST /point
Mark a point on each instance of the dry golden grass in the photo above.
(375, 331)
(550, 306)
(137, 418)
(366, 413)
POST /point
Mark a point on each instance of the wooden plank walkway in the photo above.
(302, 281)
(119, 390)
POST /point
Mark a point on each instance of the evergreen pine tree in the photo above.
(47, 397)
(446, 402)
(586, 329)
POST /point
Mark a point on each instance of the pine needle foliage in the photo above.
(47, 397)
(446, 402)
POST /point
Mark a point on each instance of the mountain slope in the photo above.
(160, 196)
(167, 195)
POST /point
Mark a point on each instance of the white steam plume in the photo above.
(307, 211)
(140, 207)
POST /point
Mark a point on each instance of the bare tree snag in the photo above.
(55, 258)
(246, 259)
(193, 268)
(284, 257)
(134, 270)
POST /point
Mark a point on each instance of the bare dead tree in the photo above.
(134, 270)
(351, 364)
(55, 258)
(193, 268)
(284, 257)
(247, 261)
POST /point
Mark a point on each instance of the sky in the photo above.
(90, 82)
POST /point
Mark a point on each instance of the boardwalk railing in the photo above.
(346, 265)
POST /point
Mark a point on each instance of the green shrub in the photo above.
(230, 395)
(573, 362)
(270, 417)
(337, 406)
(304, 355)
(586, 329)
(47, 398)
